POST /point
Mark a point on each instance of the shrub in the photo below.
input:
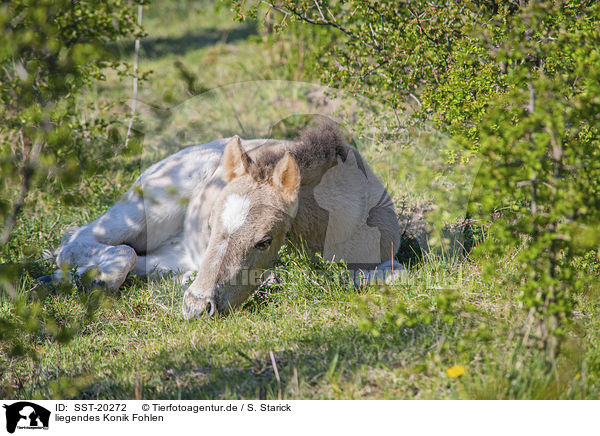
(515, 82)
(50, 51)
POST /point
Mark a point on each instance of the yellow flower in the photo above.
(455, 371)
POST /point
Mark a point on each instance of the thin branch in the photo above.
(320, 22)
(331, 15)
(416, 16)
(276, 371)
(135, 78)
(28, 172)
(374, 38)
(414, 97)
(320, 11)
(531, 104)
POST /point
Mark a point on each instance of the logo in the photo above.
(26, 415)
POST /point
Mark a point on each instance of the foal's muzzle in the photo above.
(196, 306)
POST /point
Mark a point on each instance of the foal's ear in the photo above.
(236, 161)
(286, 177)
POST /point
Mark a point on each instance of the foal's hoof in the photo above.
(46, 279)
(194, 306)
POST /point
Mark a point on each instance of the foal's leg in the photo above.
(148, 219)
(102, 245)
(114, 265)
(172, 257)
(111, 263)
(110, 244)
(383, 274)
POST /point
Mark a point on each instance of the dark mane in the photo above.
(315, 147)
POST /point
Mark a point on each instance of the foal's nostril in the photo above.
(46, 279)
(211, 307)
(195, 306)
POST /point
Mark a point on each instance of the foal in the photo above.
(224, 208)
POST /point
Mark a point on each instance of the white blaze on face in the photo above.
(235, 212)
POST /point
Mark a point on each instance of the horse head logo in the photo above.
(29, 415)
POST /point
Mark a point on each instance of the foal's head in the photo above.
(248, 225)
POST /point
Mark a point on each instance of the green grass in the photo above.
(328, 339)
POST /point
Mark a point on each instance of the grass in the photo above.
(327, 339)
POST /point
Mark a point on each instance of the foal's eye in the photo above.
(264, 243)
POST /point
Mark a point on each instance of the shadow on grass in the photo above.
(308, 366)
(154, 48)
